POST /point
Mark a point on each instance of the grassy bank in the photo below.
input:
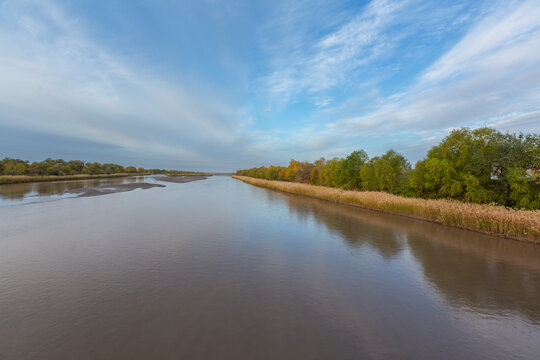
(16, 179)
(521, 225)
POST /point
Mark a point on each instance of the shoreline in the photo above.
(521, 225)
(18, 179)
(181, 180)
(112, 189)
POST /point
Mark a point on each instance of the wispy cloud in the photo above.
(55, 79)
(352, 52)
(305, 79)
(503, 39)
(314, 66)
(488, 77)
(492, 73)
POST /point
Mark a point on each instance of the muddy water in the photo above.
(217, 269)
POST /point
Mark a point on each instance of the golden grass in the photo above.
(15, 179)
(521, 225)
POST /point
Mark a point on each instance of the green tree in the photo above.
(434, 178)
(333, 173)
(386, 173)
(351, 168)
(317, 172)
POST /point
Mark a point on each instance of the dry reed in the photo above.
(521, 225)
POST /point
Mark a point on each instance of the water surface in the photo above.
(26, 193)
(218, 269)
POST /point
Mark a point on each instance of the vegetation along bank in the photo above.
(469, 171)
(516, 224)
(19, 171)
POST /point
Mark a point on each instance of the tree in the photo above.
(386, 173)
(481, 165)
(303, 172)
(315, 177)
(333, 173)
(368, 176)
(351, 167)
(434, 178)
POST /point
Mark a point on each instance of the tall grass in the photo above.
(521, 225)
(16, 179)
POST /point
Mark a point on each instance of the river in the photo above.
(219, 269)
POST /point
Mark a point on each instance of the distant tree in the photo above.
(386, 173)
(333, 173)
(317, 171)
(351, 168)
(433, 178)
(481, 165)
(303, 172)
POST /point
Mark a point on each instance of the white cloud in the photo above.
(490, 74)
(502, 39)
(56, 80)
(354, 47)
(324, 64)
(489, 77)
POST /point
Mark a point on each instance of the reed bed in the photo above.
(16, 179)
(523, 225)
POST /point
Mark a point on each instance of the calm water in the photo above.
(218, 269)
(26, 193)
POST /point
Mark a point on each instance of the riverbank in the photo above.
(523, 225)
(181, 179)
(17, 179)
(113, 189)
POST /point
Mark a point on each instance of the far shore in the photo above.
(181, 179)
(113, 189)
(17, 179)
(522, 225)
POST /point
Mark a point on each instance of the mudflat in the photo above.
(181, 179)
(111, 189)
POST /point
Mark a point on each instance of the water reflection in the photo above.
(220, 269)
(49, 188)
(469, 269)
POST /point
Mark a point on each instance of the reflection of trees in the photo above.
(468, 268)
(19, 191)
(470, 278)
(353, 225)
(14, 191)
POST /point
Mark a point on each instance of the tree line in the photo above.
(479, 166)
(61, 167)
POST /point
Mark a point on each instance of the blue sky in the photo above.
(222, 85)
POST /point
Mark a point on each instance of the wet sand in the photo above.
(19, 179)
(181, 179)
(53, 190)
(111, 189)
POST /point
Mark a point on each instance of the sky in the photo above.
(220, 85)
